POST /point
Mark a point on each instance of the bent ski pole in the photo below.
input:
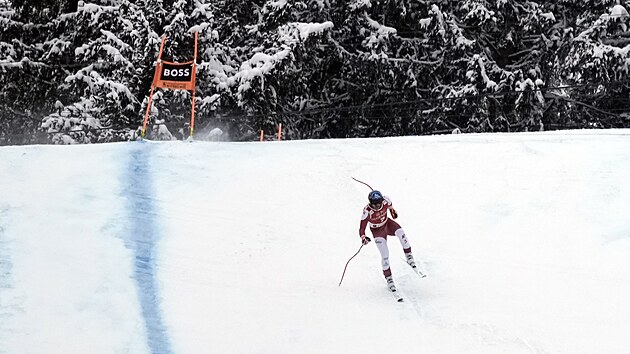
(362, 182)
(346, 267)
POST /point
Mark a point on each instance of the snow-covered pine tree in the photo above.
(27, 80)
(325, 68)
(595, 62)
(98, 43)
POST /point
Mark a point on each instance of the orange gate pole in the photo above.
(157, 69)
(194, 79)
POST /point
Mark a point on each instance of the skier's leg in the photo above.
(404, 242)
(381, 244)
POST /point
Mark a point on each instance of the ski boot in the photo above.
(390, 283)
(411, 261)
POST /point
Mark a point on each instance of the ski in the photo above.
(397, 296)
(416, 270)
(392, 288)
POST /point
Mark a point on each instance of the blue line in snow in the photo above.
(142, 238)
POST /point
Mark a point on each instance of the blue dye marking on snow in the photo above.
(142, 238)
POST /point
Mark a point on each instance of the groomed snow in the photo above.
(210, 247)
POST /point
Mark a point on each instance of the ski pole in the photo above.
(362, 182)
(344, 269)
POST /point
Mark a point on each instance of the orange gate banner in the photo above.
(176, 76)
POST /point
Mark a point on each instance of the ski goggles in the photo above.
(376, 206)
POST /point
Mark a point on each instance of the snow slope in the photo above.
(239, 247)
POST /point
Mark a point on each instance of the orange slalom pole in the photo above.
(194, 78)
(280, 131)
(192, 119)
(146, 116)
(157, 69)
(262, 134)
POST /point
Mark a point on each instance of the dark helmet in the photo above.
(375, 197)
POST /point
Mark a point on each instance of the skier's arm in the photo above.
(362, 226)
(390, 206)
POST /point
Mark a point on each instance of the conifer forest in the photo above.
(82, 71)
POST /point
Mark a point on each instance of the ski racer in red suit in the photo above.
(375, 215)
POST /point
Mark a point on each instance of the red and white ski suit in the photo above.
(382, 226)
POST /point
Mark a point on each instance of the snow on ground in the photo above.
(239, 247)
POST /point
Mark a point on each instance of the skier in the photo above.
(375, 214)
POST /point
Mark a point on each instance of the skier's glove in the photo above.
(365, 240)
(394, 213)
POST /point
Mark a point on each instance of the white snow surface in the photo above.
(210, 247)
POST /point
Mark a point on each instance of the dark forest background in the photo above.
(80, 72)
